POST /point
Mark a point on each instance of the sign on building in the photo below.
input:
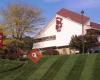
(58, 24)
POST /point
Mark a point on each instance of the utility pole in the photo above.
(82, 20)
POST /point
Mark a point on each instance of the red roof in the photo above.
(95, 25)
(73, 15)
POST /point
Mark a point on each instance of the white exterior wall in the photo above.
(86, 26)
(49, 30)
(44, 44)
(69, 28)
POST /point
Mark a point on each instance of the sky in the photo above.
(50, 7)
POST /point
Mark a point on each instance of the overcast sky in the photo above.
(50, 7)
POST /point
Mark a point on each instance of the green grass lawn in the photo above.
(73, 67)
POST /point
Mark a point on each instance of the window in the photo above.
(48, 38)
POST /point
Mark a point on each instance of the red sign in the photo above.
(1, 39)
(58, 24)
(35, 55)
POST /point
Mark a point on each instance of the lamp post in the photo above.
(82, 14)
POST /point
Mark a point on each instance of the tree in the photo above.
(90, 41)
(28, 41)
(21, 19)
(2, 29)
